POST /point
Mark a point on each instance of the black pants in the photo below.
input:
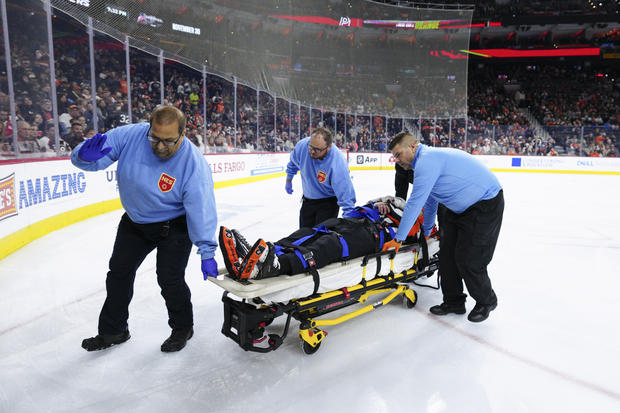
(133, 243)
(315, 211)
(466, 248)
(327, 248)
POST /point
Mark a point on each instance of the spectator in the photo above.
(75, 136)
(66, 119)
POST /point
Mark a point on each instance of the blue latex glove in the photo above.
(209, 268)
(354, 213)
(289, 187)
(93, 150)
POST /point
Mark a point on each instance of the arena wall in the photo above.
(41, 196)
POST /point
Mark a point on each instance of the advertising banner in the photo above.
(39, 196)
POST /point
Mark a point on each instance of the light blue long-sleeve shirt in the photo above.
(323, 178)
(142, 178)
(448, 176)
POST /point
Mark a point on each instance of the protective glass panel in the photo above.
(6, 130)
(282, 120)
(183, 87)
(145, 92)
(73, 86)
(361, 133)
(295, 123)
(111, 83)
(246, 118)
(344, 56)
(457, 134)
(266, 142)
(304, 121)
(27, 24)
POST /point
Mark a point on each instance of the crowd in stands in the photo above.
(547, 109)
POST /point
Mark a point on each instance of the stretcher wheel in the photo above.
(308, 349)
(410, 298)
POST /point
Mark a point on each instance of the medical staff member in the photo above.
(402, 179)
(166, 188)
(325, 178)
(471, 223)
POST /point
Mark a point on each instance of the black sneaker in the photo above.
(103, 341)
(480, 312)
(444, 308)
(177, 339)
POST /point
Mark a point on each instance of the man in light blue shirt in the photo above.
(470, 226)
(166, 188)
(325, 179)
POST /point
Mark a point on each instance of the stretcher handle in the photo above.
(390, 253)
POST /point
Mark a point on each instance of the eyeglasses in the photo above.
(154, 139)
(316, 150)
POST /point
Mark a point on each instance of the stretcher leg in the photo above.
(312, 336)
(311, 339)
(411, 297)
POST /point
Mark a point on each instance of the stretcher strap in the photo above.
(345, 247)
(302, 240)
(301, 258)
(280, 250)
(366, 212)
(307, 260)
(312, 268)
(320, 228)
(392, 233)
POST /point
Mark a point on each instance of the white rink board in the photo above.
(373, 160)
(31, 191)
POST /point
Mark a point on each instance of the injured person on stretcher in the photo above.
(308, 249)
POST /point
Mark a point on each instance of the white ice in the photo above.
(552, 345)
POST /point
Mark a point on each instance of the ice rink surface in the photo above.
(552, 345)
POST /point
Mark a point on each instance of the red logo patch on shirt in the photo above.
(321, 176)
(166, 182)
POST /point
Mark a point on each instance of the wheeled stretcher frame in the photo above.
(245, 322)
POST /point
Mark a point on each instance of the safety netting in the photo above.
(347, 56)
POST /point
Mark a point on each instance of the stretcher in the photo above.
(250, 307)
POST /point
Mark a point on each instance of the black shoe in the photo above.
(103, 341)
(480, 312)
(177, 339)
(443, 309)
